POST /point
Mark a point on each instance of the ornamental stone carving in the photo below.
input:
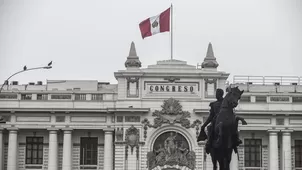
(133, 60)
(132, 137)
(171, 150)
(171, 113)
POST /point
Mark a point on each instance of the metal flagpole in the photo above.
(171, 33)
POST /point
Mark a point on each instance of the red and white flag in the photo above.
(156, 24)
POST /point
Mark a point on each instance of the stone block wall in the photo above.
(119, 158)
(101, 156)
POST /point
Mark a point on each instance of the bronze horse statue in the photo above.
(212, 150)
(226, 130)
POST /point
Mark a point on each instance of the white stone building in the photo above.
(127, 126)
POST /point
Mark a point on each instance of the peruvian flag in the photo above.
(156, 24)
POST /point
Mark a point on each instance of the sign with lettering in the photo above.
(172, 87)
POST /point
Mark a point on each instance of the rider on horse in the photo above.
(215, 108)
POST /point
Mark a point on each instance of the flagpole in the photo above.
(171, 34)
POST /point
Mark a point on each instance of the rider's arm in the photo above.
(210, 118)
(241, 119)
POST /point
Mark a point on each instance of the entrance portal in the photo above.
(171, 152)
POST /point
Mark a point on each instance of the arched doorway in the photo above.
(171, 151)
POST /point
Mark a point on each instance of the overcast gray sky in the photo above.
(90, 39)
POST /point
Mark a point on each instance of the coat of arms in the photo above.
(154, 24)
(171, 113)
(132, 137)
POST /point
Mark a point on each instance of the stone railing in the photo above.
(268, 80)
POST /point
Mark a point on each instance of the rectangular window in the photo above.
(245, 99)
(80, 96)
(42, 96)
(89, 151)
(297, 99)
(26, 96)
(261, 99)
(298, 153)
(8, 96)
(97, 97)
(61, 96)
(252, 152)
(34, 150)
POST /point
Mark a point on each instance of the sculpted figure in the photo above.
(151, 160)
(183, 154)
(160, 155)
(225, 137)
(214, 110)
(170, 143)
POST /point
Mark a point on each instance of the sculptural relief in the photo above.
(171, 150)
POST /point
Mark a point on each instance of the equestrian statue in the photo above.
(223, 136)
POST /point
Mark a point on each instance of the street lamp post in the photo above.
(25, 69)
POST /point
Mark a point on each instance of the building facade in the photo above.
(149, 120)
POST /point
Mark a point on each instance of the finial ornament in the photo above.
(133, 60)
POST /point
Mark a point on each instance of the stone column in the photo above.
(234, 165)
(67, 150)
(1, 149)
(108, 149)
(273, 150)
(12, 149)
(287, 152)
(53, 149)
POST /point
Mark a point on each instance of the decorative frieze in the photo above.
(33, 118)
(88, 119)
(9, 96)
(172, 79)
(132, 118)
(61, 96)
(279, 99)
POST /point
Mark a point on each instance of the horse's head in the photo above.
(233, 96)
